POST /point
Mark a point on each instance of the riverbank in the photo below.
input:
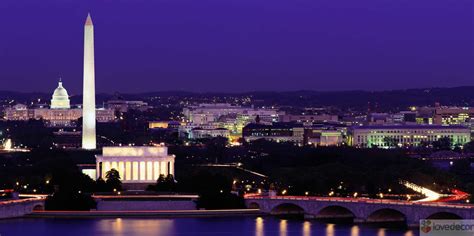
(156, 214)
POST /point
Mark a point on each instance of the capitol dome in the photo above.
(60, 98)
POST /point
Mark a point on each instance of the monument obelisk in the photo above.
(88, 94)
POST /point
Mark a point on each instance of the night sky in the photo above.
(238, 45)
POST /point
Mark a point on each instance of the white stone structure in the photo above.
(406, 135)
(88, 99)
(200, 133)
(60, 99)
(136, 164)
(60, 113)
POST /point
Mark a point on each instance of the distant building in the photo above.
(121, 105)
(60, 113)
(378, 118)
(19, 112)
(207, 113)
(320, 134)
(445, 115)
(406, 135)
(224, 116)
(172, 125)
(200, 133)
(278, 132)
(136, 165)
(60, 99)
(309, 118)
(325, 138)
(453, 115)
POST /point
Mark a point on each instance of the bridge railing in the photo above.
(9, 202)
(360, 200)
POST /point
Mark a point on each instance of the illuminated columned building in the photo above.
(136, 165)
(59, 114)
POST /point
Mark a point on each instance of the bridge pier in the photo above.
(413, 223)
(359, 220)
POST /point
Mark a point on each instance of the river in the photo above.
(238, 226)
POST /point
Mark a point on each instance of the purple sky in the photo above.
(238, 45)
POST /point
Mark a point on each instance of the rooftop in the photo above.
(410, 127)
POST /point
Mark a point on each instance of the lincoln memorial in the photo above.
(136, 165)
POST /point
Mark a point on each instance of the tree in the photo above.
(113, 180)
(216, 148)
(461, 167)
(469, 147)
(164, 184)
(390, 142)
(443, 143)
(100, 185)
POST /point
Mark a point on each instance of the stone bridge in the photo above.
(358, 209)
(20, 207)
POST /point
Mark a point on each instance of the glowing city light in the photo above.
(8, 145)
(430, 194)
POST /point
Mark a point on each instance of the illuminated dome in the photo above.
(60, 98)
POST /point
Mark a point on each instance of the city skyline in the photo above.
(158, 117)
(171, 47)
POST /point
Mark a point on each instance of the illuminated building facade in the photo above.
(321, 134)
(224, 116)
(135, 164)
(406, 135)
(453, 115)
(164, 125)
(325, 137)
(60, 113)
(200, 133)
(278, 132)
(60, 99)
(19, 112)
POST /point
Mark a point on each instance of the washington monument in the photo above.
(88, 99)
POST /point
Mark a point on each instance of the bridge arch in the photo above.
(386, 215)
(253, 205)
(444, 215)
(287, 209)
(335, 212)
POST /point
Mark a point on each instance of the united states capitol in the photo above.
(60, 112)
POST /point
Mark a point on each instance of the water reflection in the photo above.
(355, 230)
(381, 232)
(259, 226)
(231, 226)
(330, 230)
(306, 228)
(117, 226)
(127, 227)
(409, 233)
(283, 227)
